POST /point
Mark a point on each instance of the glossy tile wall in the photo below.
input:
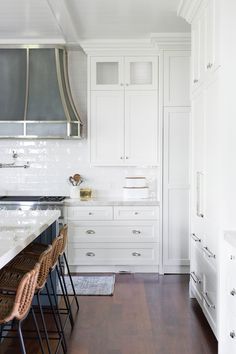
(53, 161)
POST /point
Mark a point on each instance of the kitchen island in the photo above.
(19, 228)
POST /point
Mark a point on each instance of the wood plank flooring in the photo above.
(148, 314)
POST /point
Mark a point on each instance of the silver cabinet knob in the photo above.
(90, 232)
(232, 334)
(209, 65)
(121, 157)
(232, 258)
(90, 213)
(136, 232)
(195, 81)
(90, 254)
(233, 292)
(135, 213)
(126, 157)
(136, 254)
(126, 84)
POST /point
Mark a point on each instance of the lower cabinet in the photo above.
(126, 239)
(203, 280)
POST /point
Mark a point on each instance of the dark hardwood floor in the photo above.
(148, 314)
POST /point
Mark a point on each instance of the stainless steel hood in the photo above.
(35, 95)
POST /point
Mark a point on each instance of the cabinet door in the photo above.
(141, 128)
(107, 73)
(195, 54)
(141, 73)
(176, 78)
(198, 153)
(213, 167)
(176, 190)
(107, 128)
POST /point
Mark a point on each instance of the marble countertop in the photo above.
(112, 202)
(19, 228)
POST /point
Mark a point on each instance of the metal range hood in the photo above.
(35, 95)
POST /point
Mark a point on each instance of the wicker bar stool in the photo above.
(17, 306)
(36, 249)
(23, 263)
(62, 259)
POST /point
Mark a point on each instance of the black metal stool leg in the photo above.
(65, 293)
(38, 331)
(43, 321)
(71, 281)
(55, 319)
(22, 344)
(57, 309)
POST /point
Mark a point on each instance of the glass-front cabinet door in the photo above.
(141, 73)
(107, 73)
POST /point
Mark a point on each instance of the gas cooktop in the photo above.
(30, 198)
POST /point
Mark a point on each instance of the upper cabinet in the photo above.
(176, 74)
(124, 124)
(204, 43)
(119, 73)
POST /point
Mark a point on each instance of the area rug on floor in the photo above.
(91, 285)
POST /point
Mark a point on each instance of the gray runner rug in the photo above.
(90, 284)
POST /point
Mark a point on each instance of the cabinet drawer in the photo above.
(113, 231)
(196, 274)
(209, 294)
(90, 213)
(139, 213)
(113, 254)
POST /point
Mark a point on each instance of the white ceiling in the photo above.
(89, 19)
(125, 18)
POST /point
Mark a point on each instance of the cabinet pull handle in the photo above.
(207, 301)
(232, 258)
(199, 194)
(232, 334)
(121, 157)
(90, 254)
(209, 65)
(195, 81)
(195, 238)
(126, 84)
(136, 254)
(209, 253)
(90, 213)
(90, 232)
(233, 292)
(126, 157)
(136, 213)
(136, 232)
(195, 278)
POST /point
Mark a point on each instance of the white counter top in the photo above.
(19, 228)
(112, 202)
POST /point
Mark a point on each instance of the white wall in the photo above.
(53, 161)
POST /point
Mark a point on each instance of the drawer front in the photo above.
(115, 232)
(90, 213)
(113, 254)
(196, 273)
(139, 213)
(209, 294)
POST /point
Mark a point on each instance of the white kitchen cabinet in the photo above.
(176, 189)
(176, 78)
(107, 128)
(120, 124)
(124, 73)
(113, 238)
(124, 111)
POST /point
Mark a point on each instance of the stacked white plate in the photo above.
(135, 188)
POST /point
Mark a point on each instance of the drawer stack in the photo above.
(113, 236)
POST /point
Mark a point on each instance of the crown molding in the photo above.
(151, 45)
(188, 9)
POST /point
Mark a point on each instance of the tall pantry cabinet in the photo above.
(213, 217)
